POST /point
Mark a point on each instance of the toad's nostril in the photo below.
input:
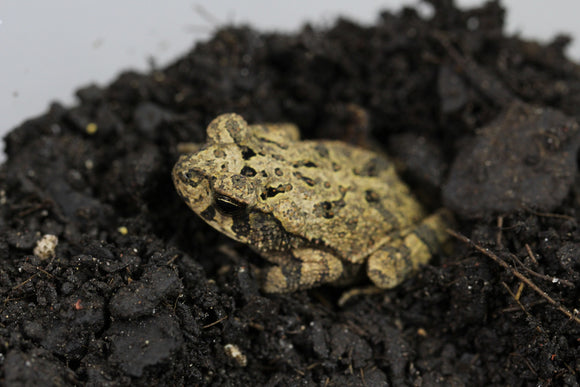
(184, 177)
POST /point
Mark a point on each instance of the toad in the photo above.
(318, 211)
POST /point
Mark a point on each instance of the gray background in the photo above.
(50, 48)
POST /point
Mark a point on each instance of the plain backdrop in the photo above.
(48, 49)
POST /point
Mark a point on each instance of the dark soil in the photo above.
(140, 291)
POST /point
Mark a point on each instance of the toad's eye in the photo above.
(228, 206)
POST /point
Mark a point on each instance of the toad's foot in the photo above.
(305, 269)
(394, 262)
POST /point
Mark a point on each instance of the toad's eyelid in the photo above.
(227, 205)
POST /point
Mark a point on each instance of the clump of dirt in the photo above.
(140, 291)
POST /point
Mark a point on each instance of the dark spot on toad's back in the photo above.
(248, 171)
(371, 196)
(307, 164)
(342, 189)
(270, 192)
(247, 153)
(309, 181)
(273, 191)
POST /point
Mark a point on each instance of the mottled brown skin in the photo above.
(315, 209)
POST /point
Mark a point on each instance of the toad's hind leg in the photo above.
(394, 262)
(305, 269)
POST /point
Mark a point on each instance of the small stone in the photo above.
(234, 352)
(46, 246)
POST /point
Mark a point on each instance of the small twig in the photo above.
(299, 372)
(362, 376)
(214, 323)
(526, 360)
(40, 270)
(313, 365)
(551, 279)
(531, 255)
(517, 308)
(25, 281)
(44, 271)
(499, 230)
(516, 273)
(516, 298)
(550, 215)
(172, 259)
(520, 290)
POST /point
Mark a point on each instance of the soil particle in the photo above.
(35, 368)
(141, 292)
(526, 158)
(140, 298)
(150, 342)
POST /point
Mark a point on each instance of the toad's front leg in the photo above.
(301, 269)
(394, 262)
